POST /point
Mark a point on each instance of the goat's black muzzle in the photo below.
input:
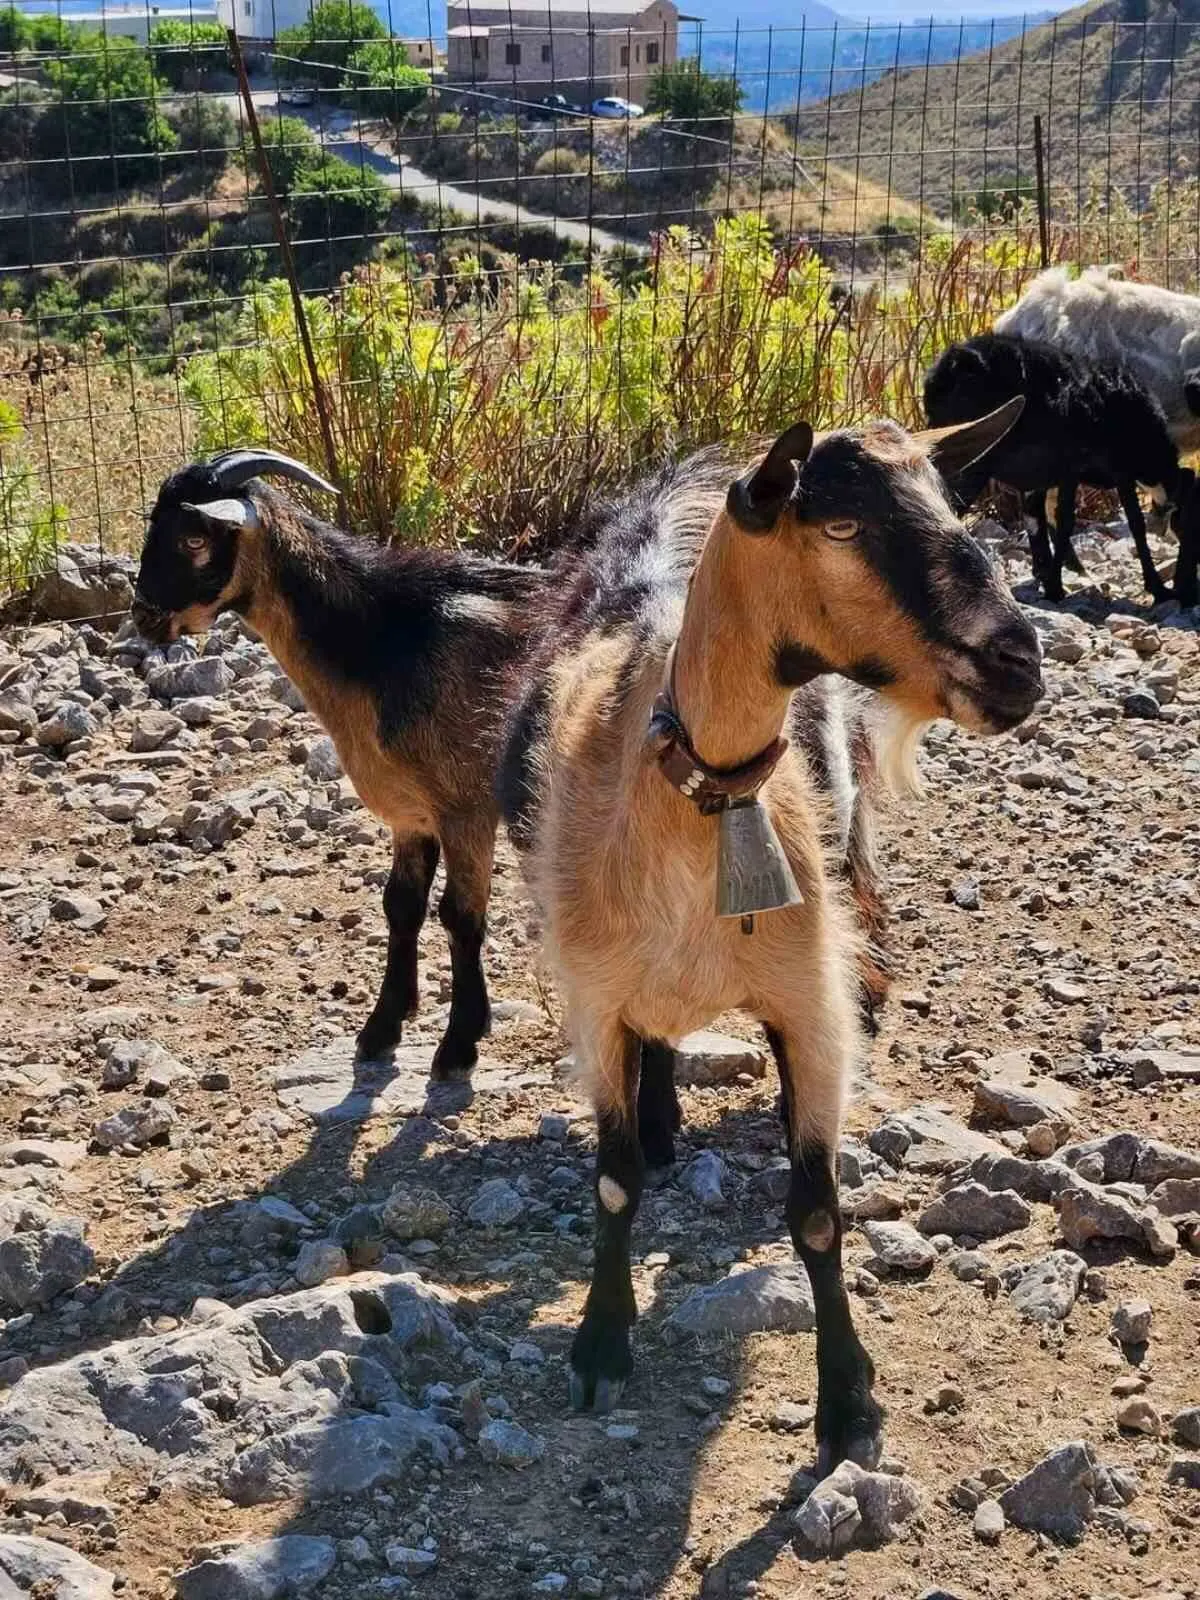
(1010, 675)
(151, 622)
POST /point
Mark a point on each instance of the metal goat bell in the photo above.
(753, 873)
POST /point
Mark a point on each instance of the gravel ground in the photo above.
(253, 1298)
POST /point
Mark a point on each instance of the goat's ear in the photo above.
(952, 450)
(756, 500)
(225, 516)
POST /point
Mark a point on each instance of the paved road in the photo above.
(339, 132)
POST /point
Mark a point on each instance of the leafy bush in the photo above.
(290, 148)
(15, 32)
(187, 54)
(561, 159)
(333, 198)
(107, 119)
(334, 30)
(203, 124)
(380, 82)
(30, 525)
(493, 418)
(20, 108)
(326, 196)
(686, 93)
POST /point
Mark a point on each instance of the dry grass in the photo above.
(99, 434)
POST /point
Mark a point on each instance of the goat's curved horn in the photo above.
(233, 468)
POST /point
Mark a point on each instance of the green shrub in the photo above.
(686, 93)
(561, 159)
(204, 125)
(380, 82)
(20, 109)
(332, 198)
(290, 148)
(188, 54)
(334, 30)
(106, 119)
(31, 526)
(15, 32)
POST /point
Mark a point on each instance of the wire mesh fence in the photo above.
(535, 245)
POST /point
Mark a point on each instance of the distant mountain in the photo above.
(1116, 82)
(787, 56)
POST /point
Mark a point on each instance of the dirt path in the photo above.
(1079, 848)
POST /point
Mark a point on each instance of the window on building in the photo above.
(248, 8)
(479, 49)
(512, 55)
(652, 55)
(624, 55)
(547, 55)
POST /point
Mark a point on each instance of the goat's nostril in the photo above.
(1018, 653)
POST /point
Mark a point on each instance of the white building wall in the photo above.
(263, 19)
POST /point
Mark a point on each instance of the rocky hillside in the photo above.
(275, 1326)
(1117, 84)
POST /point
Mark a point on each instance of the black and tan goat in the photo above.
(660, 697)
(404, 656)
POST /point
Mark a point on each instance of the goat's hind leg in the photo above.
(405, 898)
(849, 1422)
(601, 1357)
(468, 847)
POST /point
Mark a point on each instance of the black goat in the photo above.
(402, 654)
(1082, 423)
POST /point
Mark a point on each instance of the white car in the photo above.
(613, 106)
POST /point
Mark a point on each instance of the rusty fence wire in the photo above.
(533, 247)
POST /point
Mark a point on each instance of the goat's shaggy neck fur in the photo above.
(727, 686)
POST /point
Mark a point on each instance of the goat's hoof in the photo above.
(601, 1361)
(852, 1436)
(600, 1395)
(1160, 593)
(1052, 588)
(377, 1040)
(453, 1060)
(1075, 564)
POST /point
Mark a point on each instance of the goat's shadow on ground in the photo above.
(1092, 605)
(168, 1276)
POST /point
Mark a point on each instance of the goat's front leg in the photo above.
(1132, 508)
(849, 1422)
(601, 1358)
(405, 898)
(1064, 533)
(1041, 556)
(1187, 590)
(659, 1116)
(468, 846)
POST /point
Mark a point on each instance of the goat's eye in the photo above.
(846, 529)
(195, 543)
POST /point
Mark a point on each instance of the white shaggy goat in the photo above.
(1104, 318)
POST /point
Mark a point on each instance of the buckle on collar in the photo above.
(710, 789)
